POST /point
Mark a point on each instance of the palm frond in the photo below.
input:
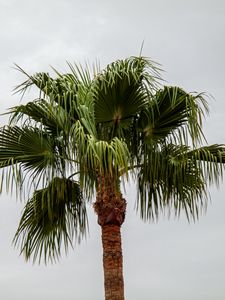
(211, 160)
(170, 181)
(26, 149)
(119, 94)
(51, 118)
(61, 90)
(41, 80)
(54, 217)
(98, 155)
(27, 145)
(82, 75)
(173, 113)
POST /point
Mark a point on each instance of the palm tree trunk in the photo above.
(112, 262)
(110, 208)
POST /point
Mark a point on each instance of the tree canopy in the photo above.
(120, 122)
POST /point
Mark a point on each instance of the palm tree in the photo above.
(87, 133)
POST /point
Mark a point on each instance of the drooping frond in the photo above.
(54, 217)
(169, 181)
(98, 155)
(175, 178)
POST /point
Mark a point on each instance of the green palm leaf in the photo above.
(29, 150)
(51, 117)
(54, 216)
(28, 146)
(61, 90)
(119, 92)
(211, 159)
(173, 112)
(170, 181)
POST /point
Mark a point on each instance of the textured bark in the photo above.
(110, 205)
(110, 208)
(112, 262)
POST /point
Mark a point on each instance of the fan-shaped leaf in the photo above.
(54, 216)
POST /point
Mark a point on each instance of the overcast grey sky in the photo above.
(170, 260)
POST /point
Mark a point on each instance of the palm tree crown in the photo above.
(91, 127)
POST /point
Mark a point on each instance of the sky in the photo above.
(167, 260)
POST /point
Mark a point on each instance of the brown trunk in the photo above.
(110, 208)
(112, 262)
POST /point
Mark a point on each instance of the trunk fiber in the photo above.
(112, 262)
(110, 208)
